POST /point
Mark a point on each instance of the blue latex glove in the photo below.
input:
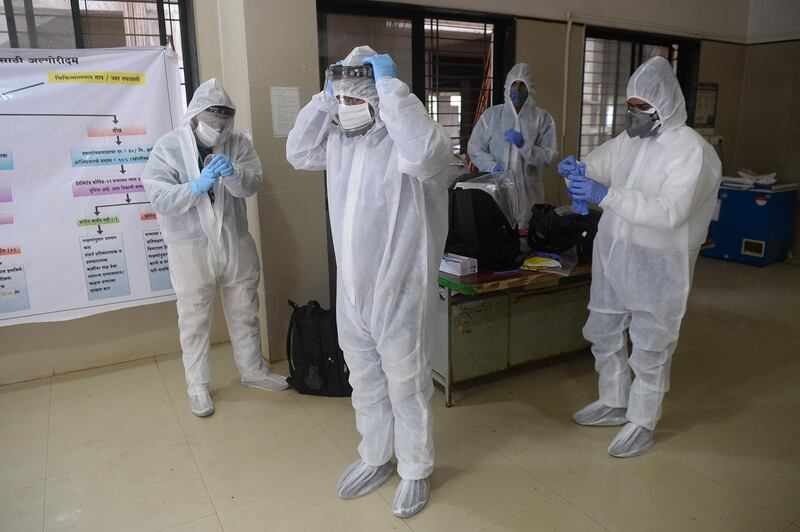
(382, 66)
(570, 167)
(567, 166)
(208, 176)
(514, 137)
(497, 169)
(225, 168)
(586, 189)
(578, 206)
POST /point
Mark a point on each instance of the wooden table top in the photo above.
(495, 281)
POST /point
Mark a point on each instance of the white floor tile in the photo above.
(153, 490)
(109, 414)
(24, 414)
(266, 459)
(22, 507)
(657, 493)
(313, 507)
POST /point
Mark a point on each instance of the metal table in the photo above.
(498, 320)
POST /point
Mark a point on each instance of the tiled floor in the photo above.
(116, 448)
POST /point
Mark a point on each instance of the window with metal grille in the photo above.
(609, 60)
(103, 24)
(450, 63)
(458, 75)
(339, 33)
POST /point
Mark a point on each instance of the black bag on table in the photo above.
(553, 233)
(316, 362)
(478, 229)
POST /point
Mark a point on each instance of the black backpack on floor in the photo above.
(316, 362)
(553, 233)
(479, 229)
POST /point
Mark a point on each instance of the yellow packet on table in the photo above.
(540, 263)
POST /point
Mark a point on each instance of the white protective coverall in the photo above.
(487, 145)
(209, 242)
(662, 195)
(387, 196)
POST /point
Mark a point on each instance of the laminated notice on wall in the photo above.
(285, 106)
(78, 235)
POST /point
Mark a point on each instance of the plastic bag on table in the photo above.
(543, 262)
(499, 187)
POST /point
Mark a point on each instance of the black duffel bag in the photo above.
(479, 229)
(551, 232)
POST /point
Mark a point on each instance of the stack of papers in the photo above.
(748, 179)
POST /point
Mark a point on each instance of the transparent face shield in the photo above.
(218, 119)
(351, 86)
(213, 124)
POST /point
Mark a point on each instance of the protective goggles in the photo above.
(217, 117)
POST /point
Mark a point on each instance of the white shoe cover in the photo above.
(271, 383)
(359, 479)
(411, 497)
(201, 404)
(631, 440)
(599, 415)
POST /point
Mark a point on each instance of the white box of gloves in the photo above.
(458, 264)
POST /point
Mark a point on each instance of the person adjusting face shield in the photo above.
(657, 184)
(387, 194)
(518, 138)
(350, 85)
(197, 179)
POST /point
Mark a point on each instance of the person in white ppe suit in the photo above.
(197, 179)
(516, 138)
(387, 168)
(657, 184)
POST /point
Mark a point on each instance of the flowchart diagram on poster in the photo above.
(77, 233)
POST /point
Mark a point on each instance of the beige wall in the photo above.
(220, 56)
(769, 119)
(723, 64)
(757, 111)
(42, 349)
(282, 52)
(709, 19)
(541, 45)
(251, 47)
(773, 21)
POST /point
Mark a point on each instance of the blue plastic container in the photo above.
(753, 226)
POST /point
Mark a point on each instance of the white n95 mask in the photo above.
(208, 136)
(355, 119)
